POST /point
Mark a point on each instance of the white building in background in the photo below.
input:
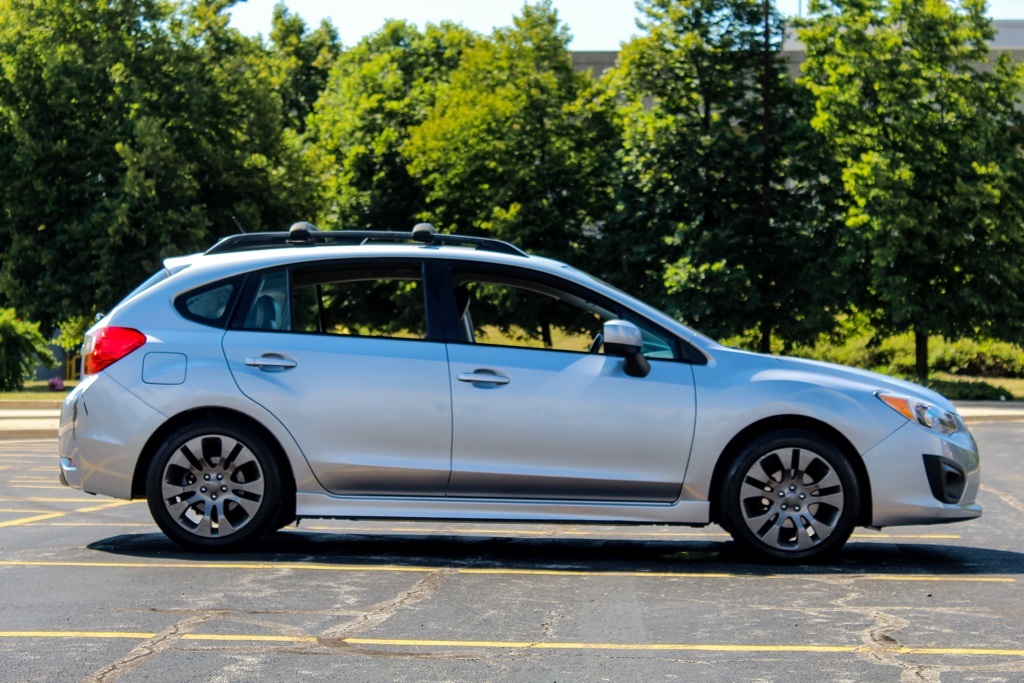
(1009, 38)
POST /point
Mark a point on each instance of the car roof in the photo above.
(258, 251)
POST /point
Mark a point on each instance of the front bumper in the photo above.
(901, 490)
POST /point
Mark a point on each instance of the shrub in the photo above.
(965, 390)
(22, 347)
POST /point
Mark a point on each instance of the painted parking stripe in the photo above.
(29, 520)
(54, 515)
(527, 645)
(310, 566)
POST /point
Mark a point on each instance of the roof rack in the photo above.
(305, 234)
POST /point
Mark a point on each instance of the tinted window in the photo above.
(209, 304)
(510, 311)
(377, 301)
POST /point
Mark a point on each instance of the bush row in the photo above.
(895, 355)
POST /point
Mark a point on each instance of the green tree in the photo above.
(513, 145)
(22, 347)
(129, 130)
(929, 144)
(300, 62)
(377, 92)
(724, 184)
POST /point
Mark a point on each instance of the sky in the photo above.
(595, 24)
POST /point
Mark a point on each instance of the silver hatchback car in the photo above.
(306, 374)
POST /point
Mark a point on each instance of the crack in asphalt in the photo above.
(145, 651)
(1005, 497)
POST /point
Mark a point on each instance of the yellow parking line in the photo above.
(39, 488)
(76, 634)
(151, 525)
(72, 497)
(259, 566)
(528, 645)
(24, 512)
(221, 565)
(106, 506)
(224, 637)
(54, 515)
(976, 579)
(29, 520)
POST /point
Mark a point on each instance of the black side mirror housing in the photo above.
(623, 338)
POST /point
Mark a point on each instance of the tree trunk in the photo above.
(765, 343)
(767, 161)
(921, 353)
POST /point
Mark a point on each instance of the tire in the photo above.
(214, 485)
(790, 496)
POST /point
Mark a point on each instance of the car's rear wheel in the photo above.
(214, 486)
(790, 496)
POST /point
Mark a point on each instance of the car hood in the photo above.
(839, 377)
(870, 380)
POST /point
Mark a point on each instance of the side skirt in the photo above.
(315, 505)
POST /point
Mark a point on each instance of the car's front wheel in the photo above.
(214, 486)
(790, 496)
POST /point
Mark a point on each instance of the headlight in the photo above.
(923, 413)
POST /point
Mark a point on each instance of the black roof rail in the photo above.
(305, 234)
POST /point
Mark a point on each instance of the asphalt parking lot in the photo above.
(90, 590)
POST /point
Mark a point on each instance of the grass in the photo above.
(37, 391)
(1010, 384)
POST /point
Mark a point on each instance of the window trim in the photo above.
(240, 286)
(684, 352)
(432, 320)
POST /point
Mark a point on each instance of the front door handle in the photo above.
(270, 362)
(483, 377)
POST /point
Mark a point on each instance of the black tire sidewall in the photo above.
(732, 516)
(260, 523)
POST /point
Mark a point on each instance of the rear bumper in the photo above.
(98, 453)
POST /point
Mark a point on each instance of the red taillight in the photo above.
(107, 346)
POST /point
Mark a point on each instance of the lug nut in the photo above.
(206, 477)
(202, 489)
(219, 477)
(224, 489)
(213, 497)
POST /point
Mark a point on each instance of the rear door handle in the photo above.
(270, 362)
(483, 377)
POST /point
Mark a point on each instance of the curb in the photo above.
(30, 405)
(14, 434)
(983, 419)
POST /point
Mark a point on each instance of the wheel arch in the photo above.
(226, 415)
(800, 422)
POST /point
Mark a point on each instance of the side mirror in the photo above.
(622, 338)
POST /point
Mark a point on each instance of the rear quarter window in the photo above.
(210, 304)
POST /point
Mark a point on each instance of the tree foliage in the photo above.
(378, 91)
(723, 180)
(22, 347)
(697, 174)
(300, 63)
(130, 130)
(929, 143)
(513, 145)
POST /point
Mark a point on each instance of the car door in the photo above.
(340, 355)
(538, 415)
